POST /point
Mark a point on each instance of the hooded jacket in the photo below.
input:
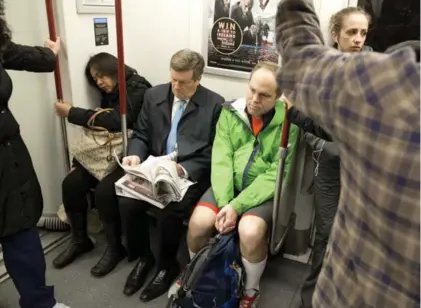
(244, 166)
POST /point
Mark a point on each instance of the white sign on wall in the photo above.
(95, 6)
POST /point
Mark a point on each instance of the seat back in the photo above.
(297, 240)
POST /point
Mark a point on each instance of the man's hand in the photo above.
(63, 109)
(226, 220)
(180, 170)
(132, 160)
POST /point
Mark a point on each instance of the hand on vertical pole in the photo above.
(57, 79)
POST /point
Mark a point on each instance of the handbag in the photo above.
(96, 147)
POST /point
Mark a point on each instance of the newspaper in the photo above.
(155, 180)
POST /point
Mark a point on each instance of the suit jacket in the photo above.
(195, 134)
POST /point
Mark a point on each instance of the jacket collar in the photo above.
(164, 100)
(239, 107)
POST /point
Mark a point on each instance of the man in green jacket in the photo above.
(244, 166)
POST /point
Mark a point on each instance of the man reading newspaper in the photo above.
(177, 119)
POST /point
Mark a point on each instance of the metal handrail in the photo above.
(121, 73)
(57, 80)
(275, 247)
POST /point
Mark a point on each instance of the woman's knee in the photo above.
(105, 193)
(74, 184)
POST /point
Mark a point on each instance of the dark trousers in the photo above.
(135, 221)
(24, 260)
(327, 189)
(77, 184)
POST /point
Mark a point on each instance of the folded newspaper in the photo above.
(155, 180)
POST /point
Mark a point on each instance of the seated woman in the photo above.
(101, 72)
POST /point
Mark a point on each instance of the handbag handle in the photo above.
(91, 125)
(91, 120)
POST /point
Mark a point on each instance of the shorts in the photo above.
(264, 210)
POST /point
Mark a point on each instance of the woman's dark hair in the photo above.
(5, 33)
(105, 64)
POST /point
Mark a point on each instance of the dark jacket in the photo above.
(306, 124)
(136, 87)
(196, 129)
(327, 184)
(21, 202)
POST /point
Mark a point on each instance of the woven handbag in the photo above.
(95, 147)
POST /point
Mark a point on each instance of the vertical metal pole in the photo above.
(275, 247)
(57, 79)
(121, 72)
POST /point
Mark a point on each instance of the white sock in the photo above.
(191, 254)
(254, 272)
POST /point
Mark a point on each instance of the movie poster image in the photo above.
(241, 33)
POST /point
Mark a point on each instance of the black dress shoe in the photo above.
(138, 275)
(160, 283)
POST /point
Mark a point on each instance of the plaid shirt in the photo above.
(370, 103)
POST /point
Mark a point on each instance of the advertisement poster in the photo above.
(240, 34)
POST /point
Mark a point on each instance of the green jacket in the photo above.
(246, 164)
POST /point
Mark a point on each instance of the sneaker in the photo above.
(174, 287)
(249, 299)
(60, 305)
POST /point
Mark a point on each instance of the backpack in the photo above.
(214, 278)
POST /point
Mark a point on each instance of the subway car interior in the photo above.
(152, 31)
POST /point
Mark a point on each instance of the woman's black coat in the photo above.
(21, 201)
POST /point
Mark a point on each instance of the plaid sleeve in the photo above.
(370, 104)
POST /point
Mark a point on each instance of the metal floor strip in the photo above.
(49, 240)
(305, 258)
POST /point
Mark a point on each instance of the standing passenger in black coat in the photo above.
(101, 73)
(21, 201)
(327, 189)
(158, 123)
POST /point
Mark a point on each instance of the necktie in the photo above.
(172, 137)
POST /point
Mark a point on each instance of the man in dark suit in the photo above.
(178, 119)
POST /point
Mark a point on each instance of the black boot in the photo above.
(79, 244)
(114, 253)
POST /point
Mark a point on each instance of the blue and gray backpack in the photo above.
(214, 278)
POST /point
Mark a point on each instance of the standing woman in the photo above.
(21, 201)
